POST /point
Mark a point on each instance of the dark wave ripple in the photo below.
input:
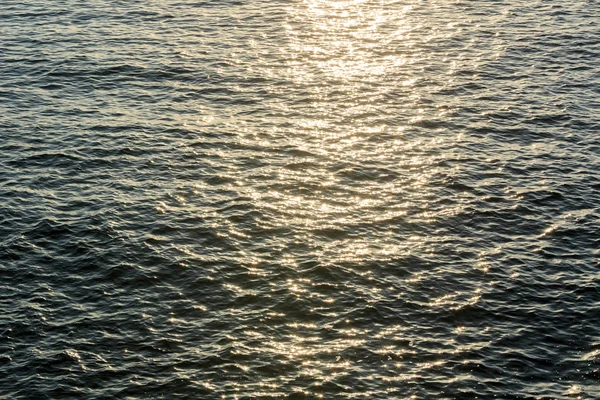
(352, 199)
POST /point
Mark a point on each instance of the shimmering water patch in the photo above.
(318, 199)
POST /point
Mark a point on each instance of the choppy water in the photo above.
(299, 199)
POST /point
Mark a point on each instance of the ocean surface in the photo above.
(301, 199)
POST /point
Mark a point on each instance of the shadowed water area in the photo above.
(358, 199)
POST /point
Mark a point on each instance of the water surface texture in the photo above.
(303, 199)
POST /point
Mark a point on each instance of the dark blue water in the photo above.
(310, 199)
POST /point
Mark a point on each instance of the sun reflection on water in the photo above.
(342, 39)
(344, 187)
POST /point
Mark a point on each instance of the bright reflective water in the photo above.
(300, 199)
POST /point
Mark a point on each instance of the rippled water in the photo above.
(299, 199)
